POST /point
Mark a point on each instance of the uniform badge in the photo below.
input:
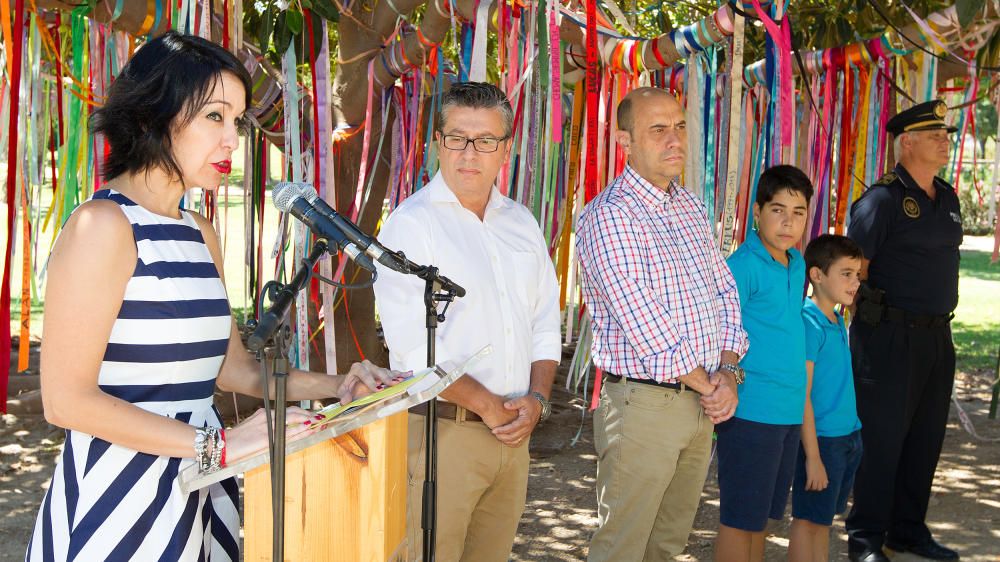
(940, 110)
(886, 178)
(911, 208)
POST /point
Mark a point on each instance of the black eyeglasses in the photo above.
(482, 144)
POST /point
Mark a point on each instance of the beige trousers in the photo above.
(654, 446)
(481, 489)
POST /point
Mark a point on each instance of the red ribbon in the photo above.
(593, 86)
(17, 32)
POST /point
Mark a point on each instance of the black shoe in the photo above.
(929, 549)
(868, 556)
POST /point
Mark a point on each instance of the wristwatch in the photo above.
(546, 407)
(736, 370)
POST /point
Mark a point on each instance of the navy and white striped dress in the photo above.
(108, 502)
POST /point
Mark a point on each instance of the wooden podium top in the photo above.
(436, 379)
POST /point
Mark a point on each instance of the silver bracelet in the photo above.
(201, 440)
(208, 446)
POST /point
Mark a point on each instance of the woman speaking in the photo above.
(138, 332)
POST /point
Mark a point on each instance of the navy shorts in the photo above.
(756, 464)
(841, 457)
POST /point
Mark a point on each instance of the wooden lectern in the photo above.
(345, 499)
(345, 485)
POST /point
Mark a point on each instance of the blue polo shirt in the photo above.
(833, 383)
(771, 303)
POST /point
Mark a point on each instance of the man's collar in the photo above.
(648, 192)
(439, 192)
(910, 183)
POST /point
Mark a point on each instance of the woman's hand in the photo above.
(364, 378)
(250, 436)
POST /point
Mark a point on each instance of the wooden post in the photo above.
(345, 499)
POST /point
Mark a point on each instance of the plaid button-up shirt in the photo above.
(662, 299)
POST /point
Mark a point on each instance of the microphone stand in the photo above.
(436, 289)
(271, 343)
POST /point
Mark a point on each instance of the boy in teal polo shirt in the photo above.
(831, 431)
(758, 446)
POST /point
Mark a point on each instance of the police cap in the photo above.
(920, 117)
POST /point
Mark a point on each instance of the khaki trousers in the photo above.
(481, 489)
(654, 446)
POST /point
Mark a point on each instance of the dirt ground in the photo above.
(561, 511)
(560, 514)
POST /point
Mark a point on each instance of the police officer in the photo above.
(910, 228)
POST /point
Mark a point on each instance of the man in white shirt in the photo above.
(491, 246)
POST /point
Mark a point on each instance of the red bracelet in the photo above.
(222, 459)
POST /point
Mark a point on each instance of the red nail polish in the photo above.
(318, 416)
(308, 422)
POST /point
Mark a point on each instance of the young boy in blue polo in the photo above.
(757, 447)
(831, 431)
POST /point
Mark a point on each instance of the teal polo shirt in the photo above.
(771, 297)
(832, 393)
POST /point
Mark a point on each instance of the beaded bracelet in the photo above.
(209, 447)
(222, 462)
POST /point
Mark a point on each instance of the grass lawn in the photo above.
(976, 328)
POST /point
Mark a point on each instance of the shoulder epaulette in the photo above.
(886, 178)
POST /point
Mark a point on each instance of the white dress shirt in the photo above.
(511, 300)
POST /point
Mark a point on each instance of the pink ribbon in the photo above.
(782, 37)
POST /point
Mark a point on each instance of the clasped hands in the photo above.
(718, 393)
(512, 421)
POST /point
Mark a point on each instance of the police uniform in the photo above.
(902, 350)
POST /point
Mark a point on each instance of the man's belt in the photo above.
(446, 410)
(671, 385)
(900, 316)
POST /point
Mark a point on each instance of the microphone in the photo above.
(288, 198)
(301, 200)
(367, 244)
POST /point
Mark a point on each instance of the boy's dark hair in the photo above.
(164, 85)
(828, 248)
(477, 95)
(782, 177)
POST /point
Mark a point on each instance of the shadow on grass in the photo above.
(976, 346)
(976, 264)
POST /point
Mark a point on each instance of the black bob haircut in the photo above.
(828, 248)
(163, 86)
(782, 178)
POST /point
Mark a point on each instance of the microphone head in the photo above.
(285, 193)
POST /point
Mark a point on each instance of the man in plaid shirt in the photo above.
(667, 334)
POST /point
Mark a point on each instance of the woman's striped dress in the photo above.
(107, 502)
